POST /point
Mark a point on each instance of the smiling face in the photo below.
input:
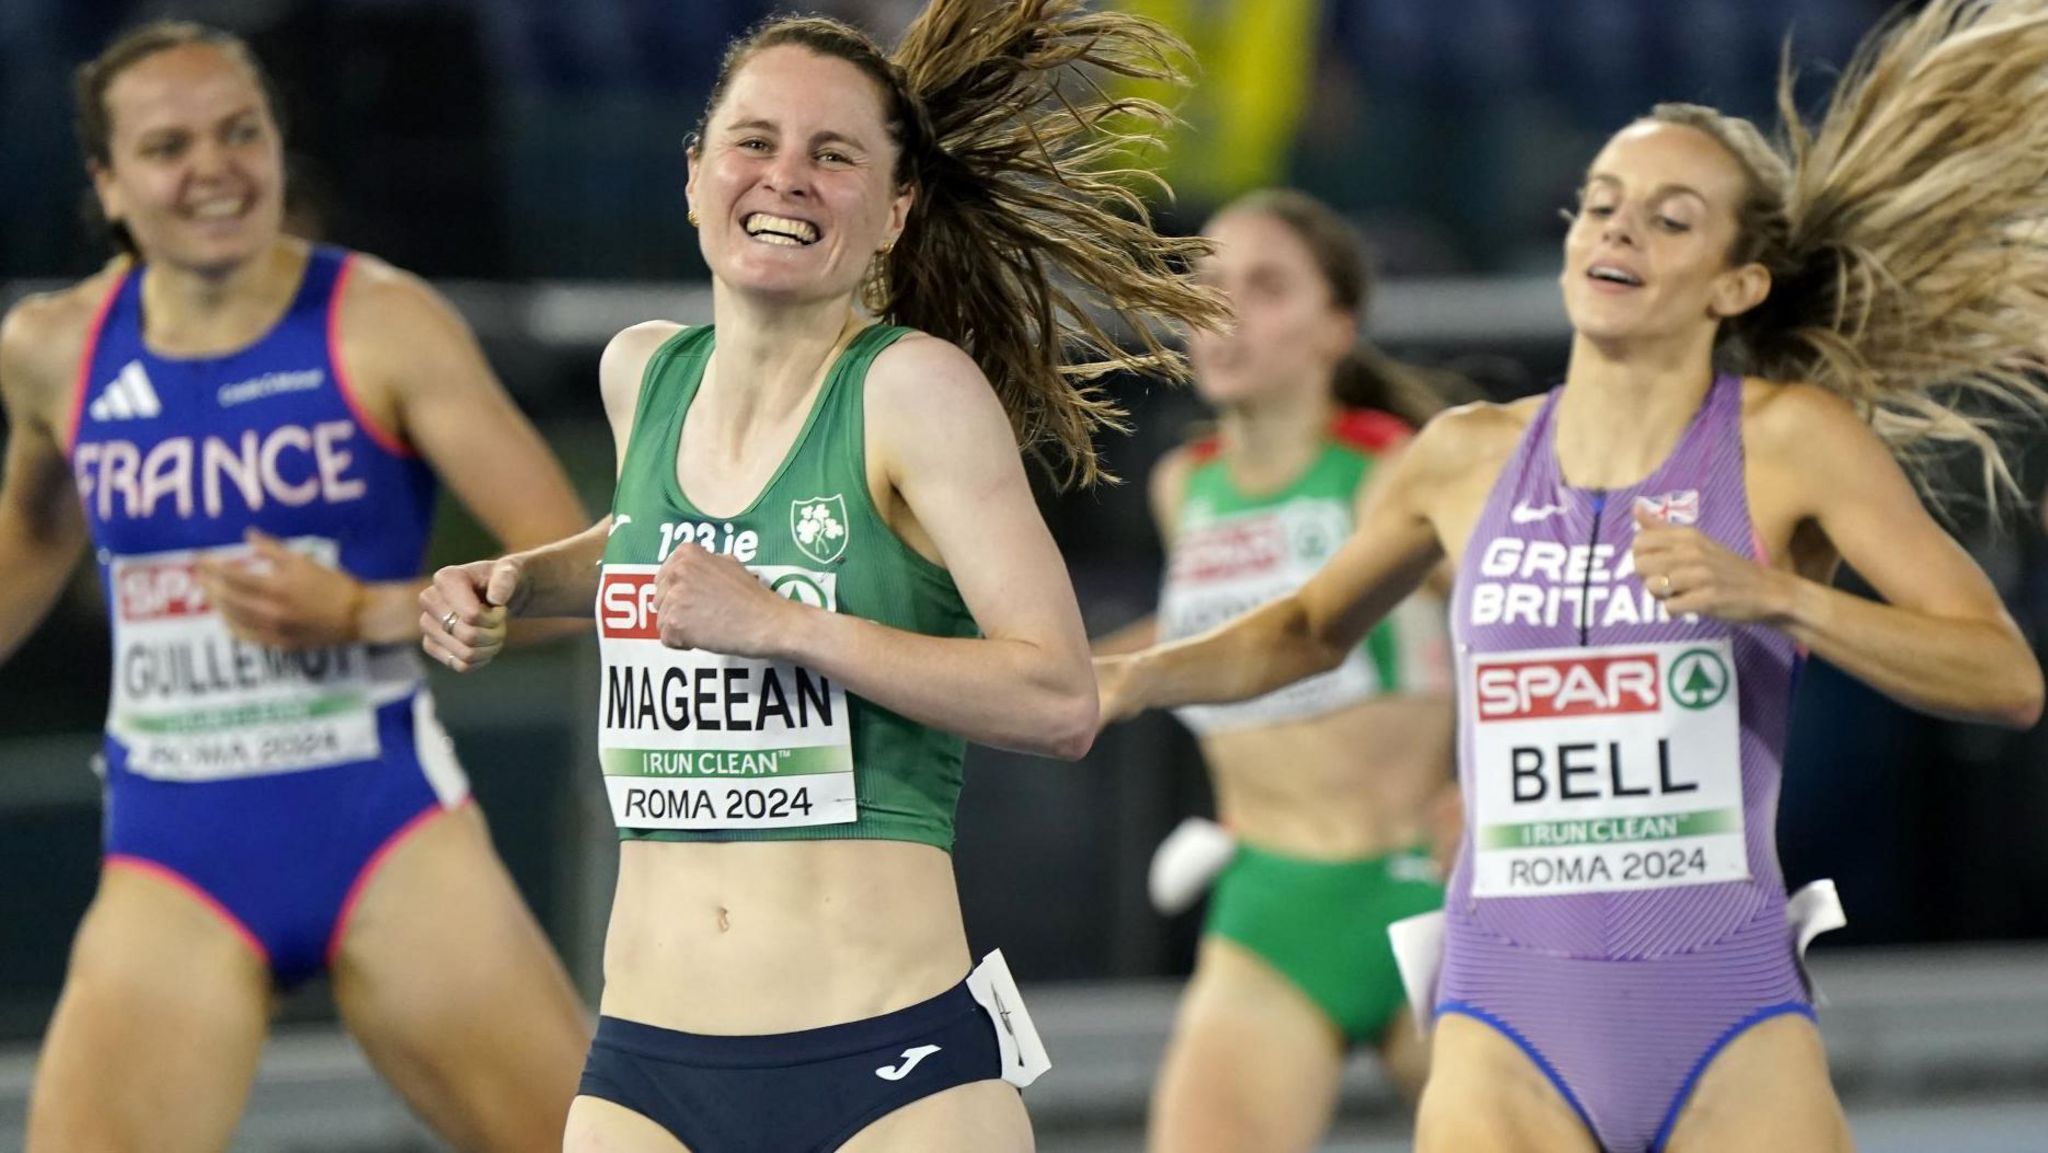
(195, 163)
(1289, 332)
(794, 183)
(1647, 256)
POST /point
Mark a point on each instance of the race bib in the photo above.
(1603, 770)
(698, 740)
(1222, 569)
(193, 703)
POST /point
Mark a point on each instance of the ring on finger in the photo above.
(448, 622)
(1664, 585)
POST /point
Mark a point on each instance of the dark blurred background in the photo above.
(527, 156)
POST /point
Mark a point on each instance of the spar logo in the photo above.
(148, 592)
(1699, 679)
(1609, 685)
(802, 588)
(626, 607)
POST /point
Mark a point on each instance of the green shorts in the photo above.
(1323, 926)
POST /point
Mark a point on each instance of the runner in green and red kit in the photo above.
(1326, 786)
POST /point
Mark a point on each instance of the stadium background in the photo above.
(526, 155)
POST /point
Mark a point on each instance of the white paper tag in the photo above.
(192, 702)
(698, 740)
(1186, 863)
(1815, 909)
(1024, 1057)
(1418, 944)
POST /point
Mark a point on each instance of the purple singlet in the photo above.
(1617, 910)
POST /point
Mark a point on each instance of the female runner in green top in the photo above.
(1326, 787)
(824, 558)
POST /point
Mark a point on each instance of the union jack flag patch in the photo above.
(1681, 507)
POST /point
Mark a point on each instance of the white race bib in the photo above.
(192, 703)
(1610, 769)
(1225, 568)
(698, 740)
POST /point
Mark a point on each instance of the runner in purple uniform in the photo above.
(246, 431)
(1644, 556)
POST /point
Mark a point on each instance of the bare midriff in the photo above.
(778, 936)
(1355, 783)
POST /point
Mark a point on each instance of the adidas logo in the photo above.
(127, 397)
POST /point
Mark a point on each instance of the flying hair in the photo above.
(1026, 243)
(1907, 233)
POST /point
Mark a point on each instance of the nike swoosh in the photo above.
(1523, 514)
(911, 1058)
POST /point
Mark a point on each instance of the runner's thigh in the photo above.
(600, 1126)
(1767, 1092)
(456, 996)
(1253, 1063)
(1485, 1096)
(156, 1036)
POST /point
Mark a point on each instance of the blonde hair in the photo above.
(1907, 234)
(1023, 223)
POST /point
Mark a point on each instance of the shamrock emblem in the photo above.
(818, 526)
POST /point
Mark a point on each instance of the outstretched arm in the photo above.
(464, 613)
(1388, 556)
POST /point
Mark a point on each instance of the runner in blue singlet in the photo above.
(246, 431)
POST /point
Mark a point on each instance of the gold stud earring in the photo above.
(692, 214)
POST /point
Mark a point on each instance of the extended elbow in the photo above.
(2023, 711)
(1071, 725)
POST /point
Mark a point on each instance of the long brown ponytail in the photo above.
(1024, 227)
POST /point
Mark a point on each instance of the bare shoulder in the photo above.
(1799, 424)
(1169, 479)
(624, 363)
(1472, 436)
(921, 369)
(391, 306)
(931, 412)
(1776, 409)
(633, 345)
(398, 337)
(42, 339)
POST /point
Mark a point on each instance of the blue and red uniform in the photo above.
(267, 782)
